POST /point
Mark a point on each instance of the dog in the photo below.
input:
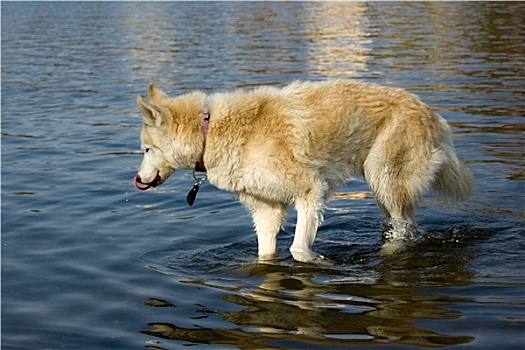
(275, 147)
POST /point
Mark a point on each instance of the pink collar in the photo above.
(199, 166)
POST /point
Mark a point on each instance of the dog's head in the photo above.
(156, 166)
(170, 136)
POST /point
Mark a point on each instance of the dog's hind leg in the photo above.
(309, 217)
(403, 161)
(398, 183)
(267, 218)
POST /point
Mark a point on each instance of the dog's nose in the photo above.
(137, 179)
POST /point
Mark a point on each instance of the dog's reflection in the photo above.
(295, 306)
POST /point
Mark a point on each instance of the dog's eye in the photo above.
(146, 150)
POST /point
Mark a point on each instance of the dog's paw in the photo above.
(400, 236)
(308, 256)
(398, 231)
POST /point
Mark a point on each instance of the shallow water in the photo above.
(88, 262)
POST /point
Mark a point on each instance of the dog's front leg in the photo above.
(309, 217)
(267, 218)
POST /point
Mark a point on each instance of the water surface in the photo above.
(88, 262)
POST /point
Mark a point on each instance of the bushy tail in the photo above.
(454, 180)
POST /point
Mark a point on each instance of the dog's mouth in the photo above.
(145, 185)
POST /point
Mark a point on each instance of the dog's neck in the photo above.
(199, 166)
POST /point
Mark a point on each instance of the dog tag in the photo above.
(190, 198)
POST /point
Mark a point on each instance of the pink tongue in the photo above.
(140, 185)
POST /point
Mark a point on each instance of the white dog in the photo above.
(274, 147)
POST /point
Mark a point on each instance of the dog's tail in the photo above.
(454, 180)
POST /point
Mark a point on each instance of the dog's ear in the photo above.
(155, 94)
(152, 114)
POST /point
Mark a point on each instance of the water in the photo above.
(88, 262)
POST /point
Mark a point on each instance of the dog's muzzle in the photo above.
(144, 186)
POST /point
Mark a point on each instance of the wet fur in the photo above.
(295, 145)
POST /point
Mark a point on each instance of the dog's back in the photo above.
(338, 129)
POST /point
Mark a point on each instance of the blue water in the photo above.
(89, 262)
